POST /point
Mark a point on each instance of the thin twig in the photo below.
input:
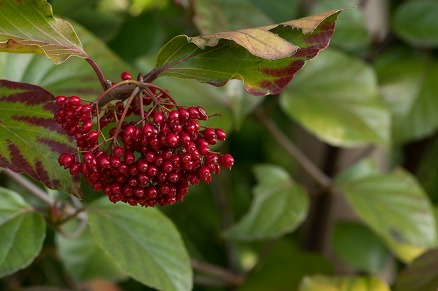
(207, 281)
(308, 166)
(219, 272)
(39, 193)
(31, 187)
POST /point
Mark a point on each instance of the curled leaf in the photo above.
(28, 26)
(264, 58)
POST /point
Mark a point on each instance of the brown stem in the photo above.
(121, 91)
(219, 272)
(49, 201)
(308, 166)
(98, 72)
(122, 118)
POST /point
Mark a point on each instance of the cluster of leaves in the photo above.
(385, 105)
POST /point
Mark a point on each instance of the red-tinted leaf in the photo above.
(30, 139)
(264, 58)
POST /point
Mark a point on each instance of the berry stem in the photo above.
(122, 118)
(122, 90)
(98, 72)
(142, 110)
(308, 166)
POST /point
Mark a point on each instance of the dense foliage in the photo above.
(334, 183)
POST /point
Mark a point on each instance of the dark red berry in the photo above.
(226, 161)
(125, 76)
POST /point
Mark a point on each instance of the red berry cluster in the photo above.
(154, 160)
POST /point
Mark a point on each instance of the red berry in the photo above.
(93, 136)
(209, 133)
(118, 152)
(193, 112)
(60, 100)
(226, 161)
(129, 158)
(125, 76)
(184, 114)
(172, 140)
(104, 161)
(151, 192)
(202, 113)
(159, 117)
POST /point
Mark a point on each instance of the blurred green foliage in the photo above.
(363, 92)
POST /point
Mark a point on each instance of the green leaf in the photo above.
(415, 22)
(264, 58)
(393, 205)
(143, 243)
(351, 32)
(227, 15)
(283, 268)
(28, 26)
(341, 108)
(317, 283)
(30, 139)
(421, 275)
(408, 84)
(22, 232)
(76, 77)
(357, 246)
(83, 258)
(279, 206)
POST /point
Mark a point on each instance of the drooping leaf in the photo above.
(75, 77)
(143, 243)
(30, 139)
(336, 98)
(359, 247)
(407, 82)
(314, 283)
(415, 21)
(264, 58)
(83, 259)
(227, 15)
(392, 204)
(22, 232)
(28, 26)
(279, 206)
(421, 275)
(351, 32)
